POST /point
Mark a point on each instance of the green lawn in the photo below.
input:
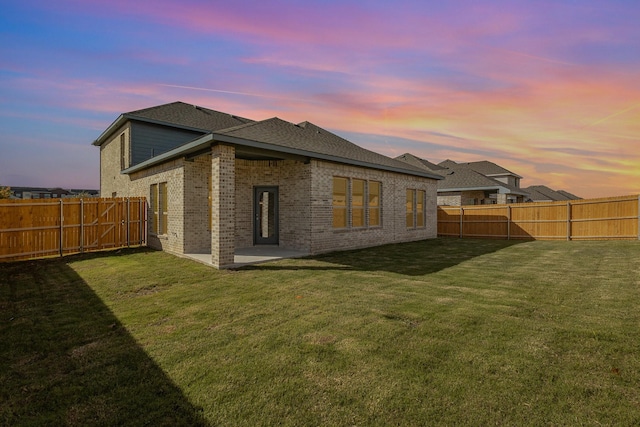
(440, 332)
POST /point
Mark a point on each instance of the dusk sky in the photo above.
(547, 89)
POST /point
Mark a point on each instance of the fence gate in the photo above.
(48, 227)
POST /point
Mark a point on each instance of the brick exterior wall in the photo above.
(393, 209)
(305, 202)
(197, 229)
(294, 184)
(223, 203)
(138, 184)
(450, 200)
(112, 183)
(464, 198)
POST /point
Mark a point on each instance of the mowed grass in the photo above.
(439, 332)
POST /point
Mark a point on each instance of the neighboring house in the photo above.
(475, 183)
(542, 193)
(48, 193)
(217, 183)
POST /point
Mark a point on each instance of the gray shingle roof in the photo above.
(177, 114)
(459, 176)
(314, 140)
(191, 116)
(543, 193)
(570, 196)
(304, 139)
(488, 168)
(417, 161)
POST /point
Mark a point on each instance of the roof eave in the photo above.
(503, 174)
(469, 189)
(111, 129)
(501, 189)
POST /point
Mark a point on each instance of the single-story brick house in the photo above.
(217, 182)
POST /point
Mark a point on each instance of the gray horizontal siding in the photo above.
(149, 140)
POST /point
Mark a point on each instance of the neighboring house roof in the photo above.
(488, 168)
(275, 135)
(570, 196)
(177, 114)
(544, 193)
(460, 177)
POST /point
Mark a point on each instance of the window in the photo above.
(357, 203)
(158, 198)
(415, 208)
(410, 217)
(123, 164)
(374, 203)
(339, 202)
(419, 208)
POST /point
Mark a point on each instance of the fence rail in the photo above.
(588, 219)
(49, 227)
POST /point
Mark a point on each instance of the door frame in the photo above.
(257, 238)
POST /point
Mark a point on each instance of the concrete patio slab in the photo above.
(253, 255)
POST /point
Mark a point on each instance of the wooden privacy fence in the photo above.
(588, 219)
(44, 227)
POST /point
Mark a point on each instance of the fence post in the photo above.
(61, 227)
(461, 221)
(508, 222)
(568, 220)
(145, 211)
(638, 216)
(141, 222)
(128, 224)
(81, 226)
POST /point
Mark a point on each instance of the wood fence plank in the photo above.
(36, 228)
(588, 219)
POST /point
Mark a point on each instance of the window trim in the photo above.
(343, 209)
(421, 221)
(410, 208)
(415, 213)
(377, 208)
(362, 207)
(159, 204)
(123, 157)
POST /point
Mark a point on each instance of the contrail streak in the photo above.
(227, 91)
(626, 110)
